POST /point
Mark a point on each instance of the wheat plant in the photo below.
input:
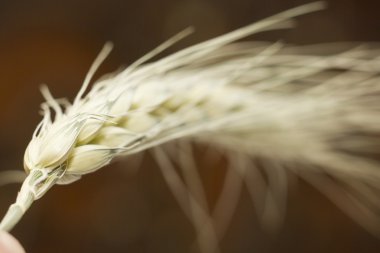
(315, 108)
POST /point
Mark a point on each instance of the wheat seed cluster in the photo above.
(282, 102)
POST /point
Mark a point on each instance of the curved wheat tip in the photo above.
(312, 110)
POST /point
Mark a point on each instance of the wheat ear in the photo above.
(266, 100)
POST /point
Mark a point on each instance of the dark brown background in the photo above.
(114, 210)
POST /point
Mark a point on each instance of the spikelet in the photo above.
(279, 102)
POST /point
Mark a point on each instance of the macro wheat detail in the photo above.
(283, 103)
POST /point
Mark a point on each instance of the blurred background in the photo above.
(120, 209)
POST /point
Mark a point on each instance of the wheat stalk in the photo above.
(269, 100)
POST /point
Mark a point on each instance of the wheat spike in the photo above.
(280, 102)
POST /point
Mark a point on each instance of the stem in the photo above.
(35, 185)
(14, 215)
(24, 200)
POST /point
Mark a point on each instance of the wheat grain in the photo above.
(265, 100)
